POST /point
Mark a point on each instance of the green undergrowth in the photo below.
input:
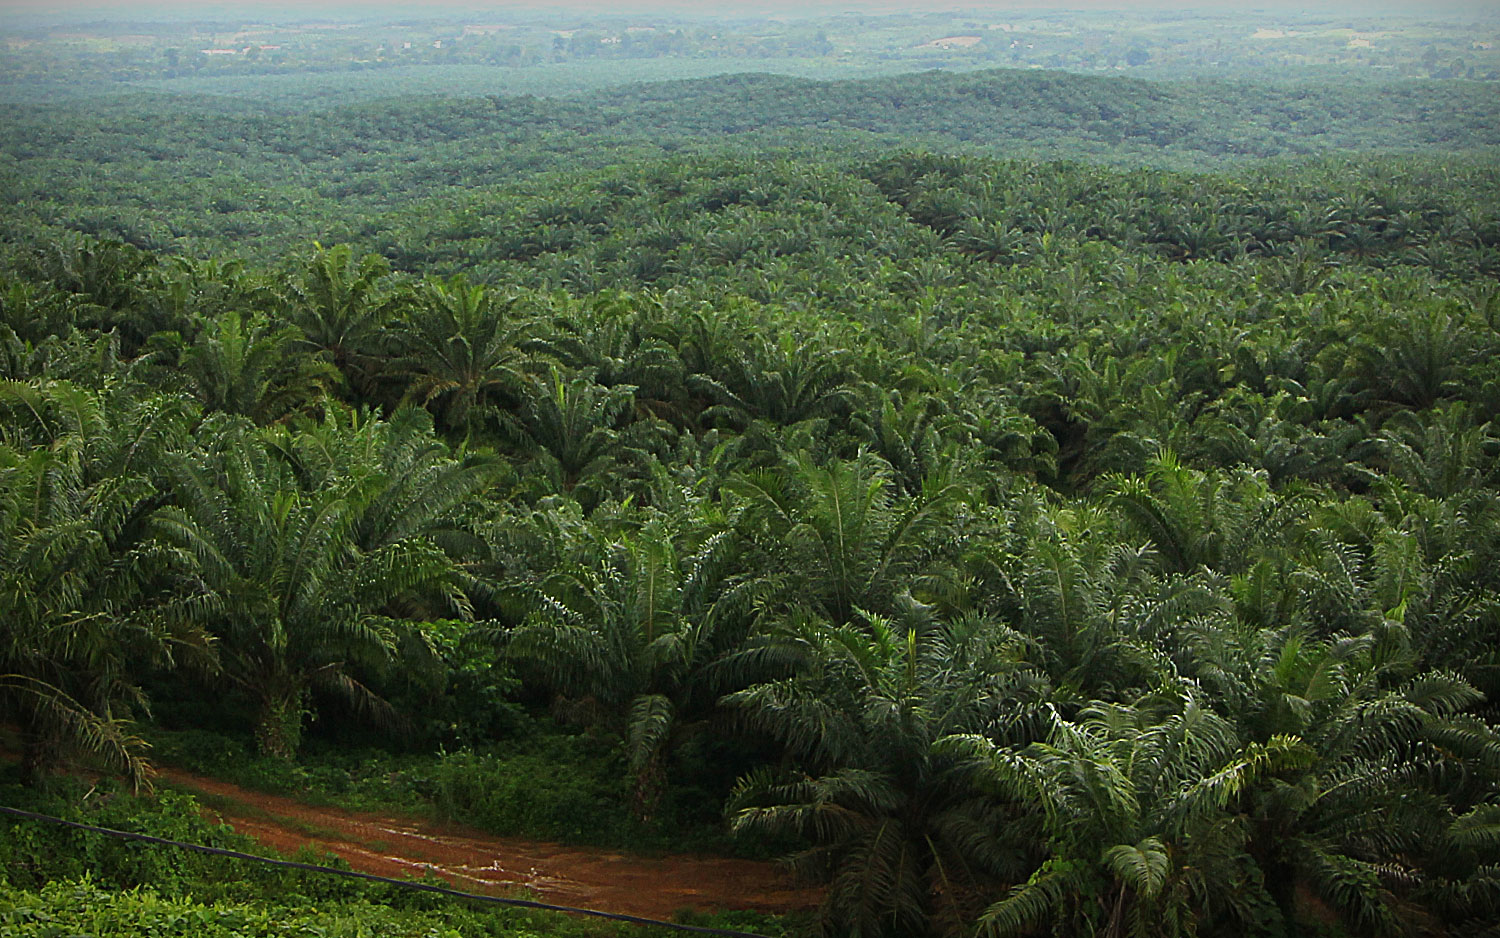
(34, 853)
(551, 785)
(82, 907)
(57, 881)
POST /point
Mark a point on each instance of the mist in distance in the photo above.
(45, 12)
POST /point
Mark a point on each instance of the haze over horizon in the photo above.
(127, 10)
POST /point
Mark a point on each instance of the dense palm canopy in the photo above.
(459, 354)
(339, 308)
(245, 366)
(85, 594)
(905, 841)
(1059, 550)
(636, 626)
(290, 595)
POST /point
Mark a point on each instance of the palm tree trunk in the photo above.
(39, 755)
(278, 729)
(650, 782)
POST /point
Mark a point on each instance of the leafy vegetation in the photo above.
(56, 880)
(1091, 547)
(409, 176)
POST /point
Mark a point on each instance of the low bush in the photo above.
(82, 907)
(549, 785)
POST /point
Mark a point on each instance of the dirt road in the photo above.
(654, 887)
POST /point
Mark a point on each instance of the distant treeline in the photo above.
(190, 174)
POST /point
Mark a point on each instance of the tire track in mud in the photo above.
(653, 887)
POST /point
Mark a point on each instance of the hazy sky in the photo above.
(367, 9)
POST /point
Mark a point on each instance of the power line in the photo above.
(371, 877)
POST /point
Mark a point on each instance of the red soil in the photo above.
(653, 887)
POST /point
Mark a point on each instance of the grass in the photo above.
(81, 906)
(552, 786)
(57, 881)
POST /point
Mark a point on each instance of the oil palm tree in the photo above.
(1394, 760)
(836, 538)
(63, 598)
(108, 281)
(342, 309)
(458, 350)
(622, 341)
(84, 593)
(909, 435)
(633, 628)
(419, 486)
(1194, 519)
(905, 843)
(245, 365)
(779, 380)
(1414, 358)
(575, 424)
(1133, 800)
(1442, 453)
(292, 600)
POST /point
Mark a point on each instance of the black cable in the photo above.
(371, 877)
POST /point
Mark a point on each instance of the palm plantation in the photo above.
(1019, 548)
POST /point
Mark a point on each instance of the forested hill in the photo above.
(1056, 113)
(1006, 111)
(1124, 543)
(1043, 505)
(168, 172)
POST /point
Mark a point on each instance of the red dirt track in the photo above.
(653, 887)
